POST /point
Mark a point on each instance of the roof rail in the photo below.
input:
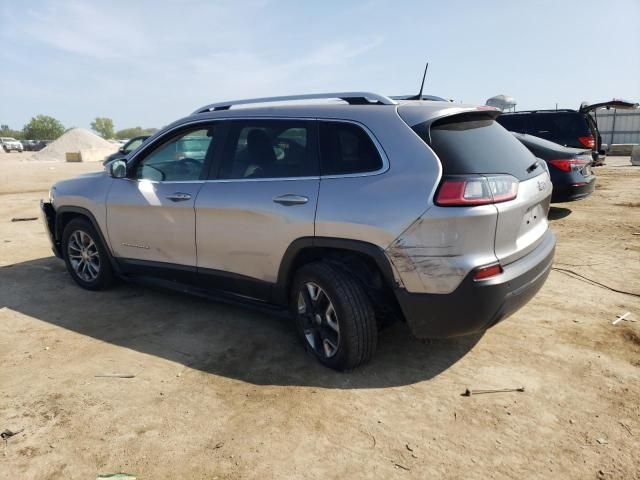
(353, 98)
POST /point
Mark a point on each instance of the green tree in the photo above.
(134, 132)
(103, 126)
(5, 131)
(42, 127)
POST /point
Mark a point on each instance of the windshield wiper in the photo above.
(532, 167)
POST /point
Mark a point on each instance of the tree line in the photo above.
(44, 127)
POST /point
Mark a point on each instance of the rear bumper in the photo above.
(48, 216)
(570, 192)
(477, 305)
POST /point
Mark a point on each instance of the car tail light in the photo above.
(483, 273)
(472, 190)
(568, 164)
(587, 141)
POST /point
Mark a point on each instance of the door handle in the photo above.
(291, 199)
(179, 197)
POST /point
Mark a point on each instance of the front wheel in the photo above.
(334, 316)
(85, 256)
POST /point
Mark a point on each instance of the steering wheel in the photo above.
(191, 161)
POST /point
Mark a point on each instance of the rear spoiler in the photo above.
(421, 120)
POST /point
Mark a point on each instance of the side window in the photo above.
(180, 159)
(346, 148)
(269, 149)
(132, 145)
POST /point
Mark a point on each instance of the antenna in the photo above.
(419, 96)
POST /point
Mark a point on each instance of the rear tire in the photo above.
(334, 316)
(85, 256)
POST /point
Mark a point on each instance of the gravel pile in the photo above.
(91, 147)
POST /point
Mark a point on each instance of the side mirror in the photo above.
(117, 169)
(121, 150)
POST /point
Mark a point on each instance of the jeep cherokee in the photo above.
(350, 214)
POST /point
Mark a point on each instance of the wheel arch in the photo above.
(67, 213)
(366, 261)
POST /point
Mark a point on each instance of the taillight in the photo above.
(476, 190)
(488, 271)
(588, 141)
(568, 164)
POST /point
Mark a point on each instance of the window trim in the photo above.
(210, 173)
(383, 155)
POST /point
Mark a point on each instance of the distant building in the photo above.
(618, 126)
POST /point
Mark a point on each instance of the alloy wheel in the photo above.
(319, 320)
(84, 256)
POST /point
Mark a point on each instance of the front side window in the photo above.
(346, 148)
(269, 149)
(180, 159)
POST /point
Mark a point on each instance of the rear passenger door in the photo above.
(261, 196)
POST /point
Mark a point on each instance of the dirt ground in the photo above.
(224, 392)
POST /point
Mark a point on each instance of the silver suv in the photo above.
(350, 214)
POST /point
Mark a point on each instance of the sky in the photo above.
(147, 63)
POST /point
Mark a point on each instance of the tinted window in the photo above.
(269, 149)
(472, 143)
(557, 125)
(514, 123)
(180, 159)
(346, 148)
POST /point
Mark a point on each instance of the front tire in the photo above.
(85, 256)
(334, 316)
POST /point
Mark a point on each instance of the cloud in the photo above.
(247, 73)
(83, 28)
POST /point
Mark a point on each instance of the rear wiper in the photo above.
(532, 167)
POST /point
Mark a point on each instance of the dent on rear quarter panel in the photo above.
(439, 249)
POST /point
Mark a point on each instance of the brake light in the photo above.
(476, 190)
(488, 271)
(566, 165)
(588, 141)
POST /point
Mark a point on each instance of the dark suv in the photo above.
(571, 128)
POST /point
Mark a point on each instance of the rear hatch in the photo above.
(615, 103)
(473, 144)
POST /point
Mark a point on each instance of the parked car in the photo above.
(349, 215)
(569, 168)
(10, 144)
(29, 145)
(570, 128)
(126, 149)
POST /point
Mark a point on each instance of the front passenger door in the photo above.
(150, 214)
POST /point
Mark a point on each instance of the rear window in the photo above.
(552, 125)
(476, 144)
(514, 123)
(561, 124)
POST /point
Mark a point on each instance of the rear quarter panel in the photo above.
(378, 208)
